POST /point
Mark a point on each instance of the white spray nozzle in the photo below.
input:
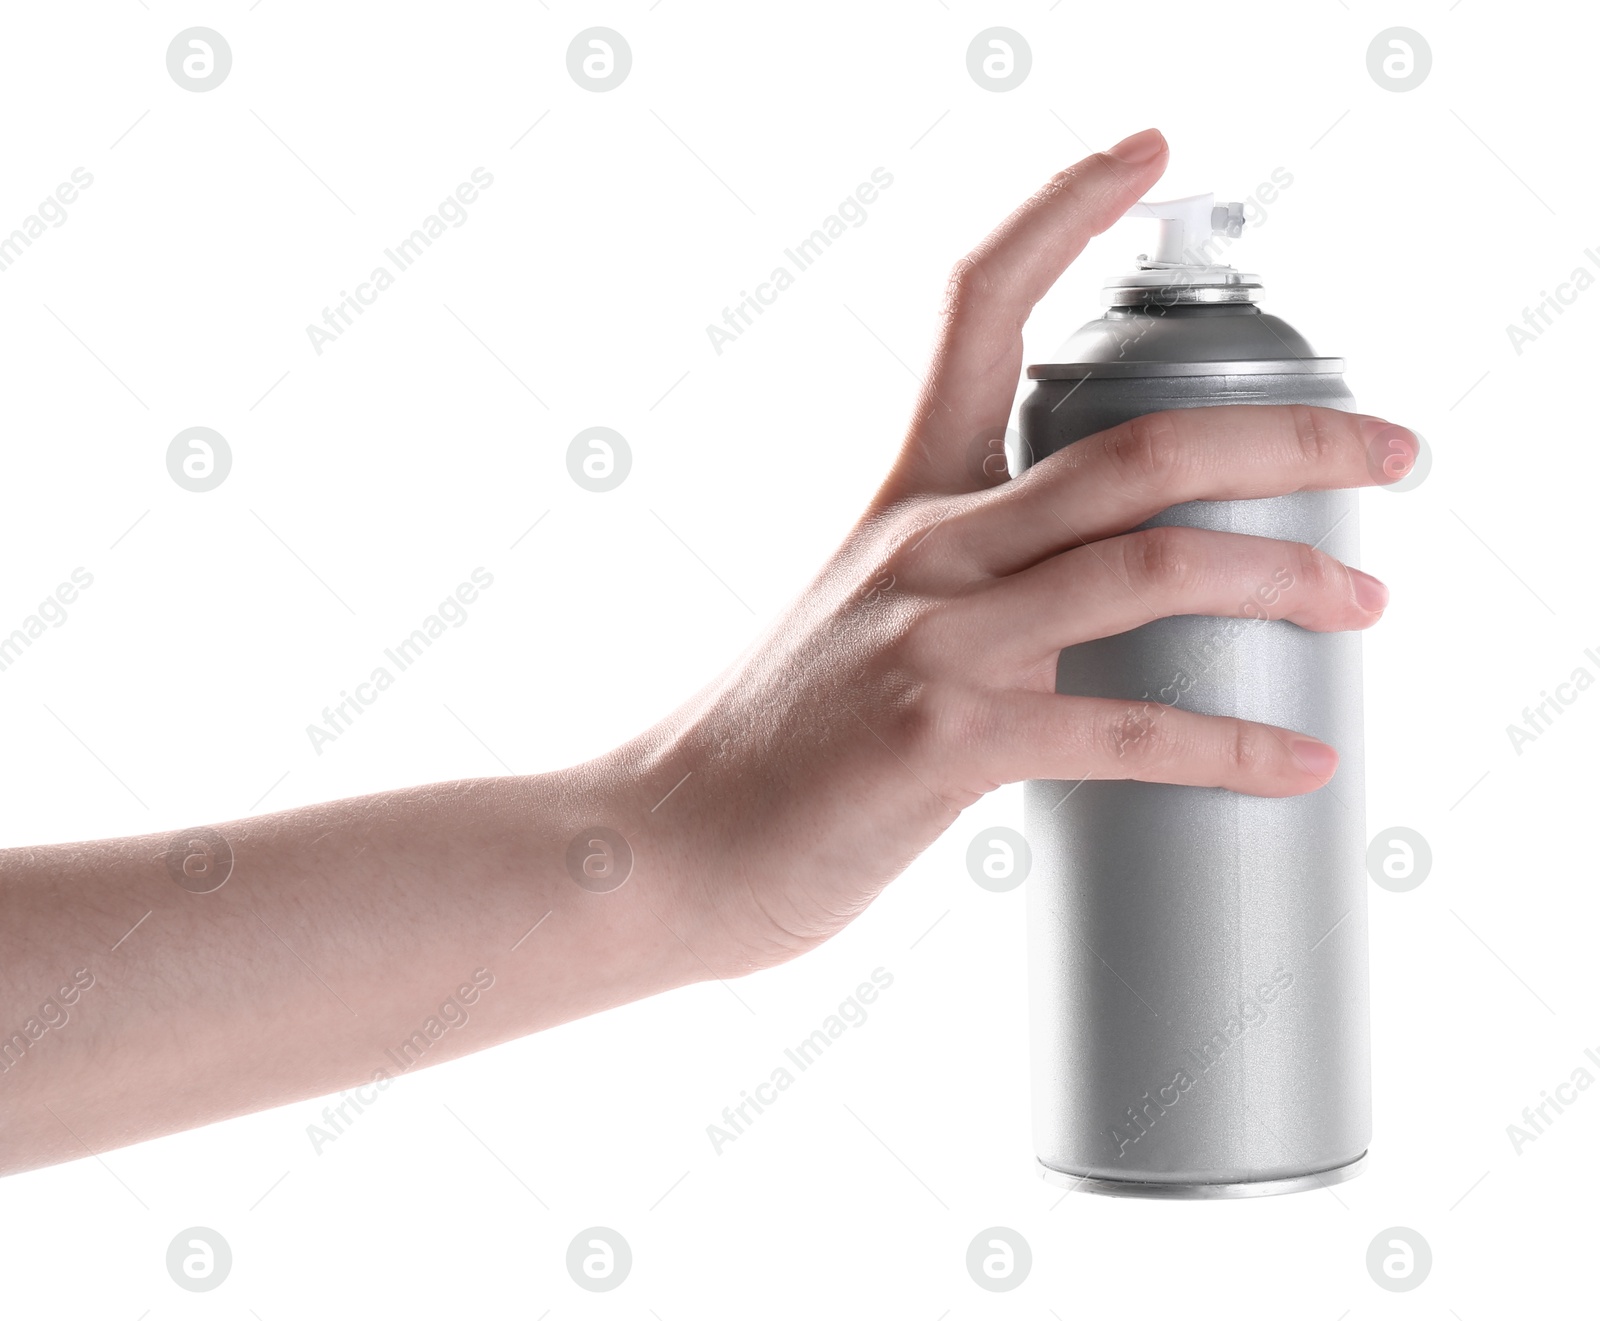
(1187, 225)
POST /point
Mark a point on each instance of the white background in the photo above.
(1418, 225)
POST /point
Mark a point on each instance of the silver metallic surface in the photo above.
(1074, 371)
(1299, 1183)
(1170, 295)
(1198, 958)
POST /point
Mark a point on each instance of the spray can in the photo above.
(1198, 957)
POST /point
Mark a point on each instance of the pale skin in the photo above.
(913, 676)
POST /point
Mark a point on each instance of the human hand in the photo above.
(917, 673)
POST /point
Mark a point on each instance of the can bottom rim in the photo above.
(1296, 1183)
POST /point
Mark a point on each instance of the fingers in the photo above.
(1122, 582)
(978, 359)
(1044, 736)
(1113, 481)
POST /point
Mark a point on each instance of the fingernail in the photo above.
(1316, 758)
(1391, 450)
(1370, 593)
(1141, 148)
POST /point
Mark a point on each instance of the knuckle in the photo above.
(937, 718)
(1145, 452)
(1312, 570)
(1164, 556)
(966, 286)
(920, 540)
(1316, 433)
(1138, 732)
(1247, 748)
(1059, 182)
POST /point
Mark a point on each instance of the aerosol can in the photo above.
(1198, 957)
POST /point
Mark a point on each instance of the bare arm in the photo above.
(358, 939)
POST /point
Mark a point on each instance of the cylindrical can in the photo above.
(1198, 957)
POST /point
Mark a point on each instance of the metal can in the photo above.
(1198, 957)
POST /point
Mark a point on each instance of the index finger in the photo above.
(1115, 479)
(978, 358)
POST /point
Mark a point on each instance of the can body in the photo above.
(1198, 957)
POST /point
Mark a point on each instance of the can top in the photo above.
(1183, 312)
(1184, 267)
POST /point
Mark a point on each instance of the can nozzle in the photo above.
(1187, 224)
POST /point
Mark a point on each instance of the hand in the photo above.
(918, 671)
(915, 675)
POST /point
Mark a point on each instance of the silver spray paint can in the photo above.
(1198, 957)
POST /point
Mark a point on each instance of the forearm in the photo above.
(344, 946)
